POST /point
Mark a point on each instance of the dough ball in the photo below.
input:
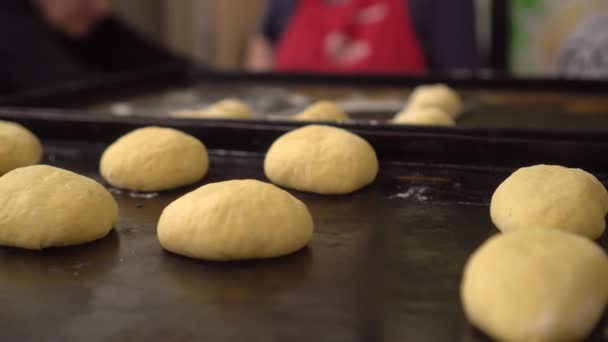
(536, 285)
(235, 220)
(18, 147)
(43, 206)
(552, 197)
(225, 109)
(322, 111)
(437, 95)
(431, 116)
(321, 159)
(154, 159)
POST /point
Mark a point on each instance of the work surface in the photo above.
(385, 264)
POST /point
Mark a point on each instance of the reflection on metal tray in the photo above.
(385, 263)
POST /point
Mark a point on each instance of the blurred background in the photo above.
(218, 32)
(525, 37)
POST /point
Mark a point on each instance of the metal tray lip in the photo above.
(424, 132)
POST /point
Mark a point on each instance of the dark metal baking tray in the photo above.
(385, 263)
(154, 86)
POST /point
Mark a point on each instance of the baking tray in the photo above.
(384, 264)
(491, 100)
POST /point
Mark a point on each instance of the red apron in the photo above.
(363, 36)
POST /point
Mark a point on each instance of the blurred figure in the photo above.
(47, 42)
(559, 38)
(375, 36)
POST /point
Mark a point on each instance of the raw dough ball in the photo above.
(43, 206)
(437, 95)
(321, 159)
(536, 285)
(18, 147)
(322, 111)
(431, 116)
(553, 197)
(242, 219)
(225, 109)
(154, 159)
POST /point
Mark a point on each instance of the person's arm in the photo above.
(276, 16)
(452, 39)
(260, 54)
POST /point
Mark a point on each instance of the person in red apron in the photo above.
(365, 36)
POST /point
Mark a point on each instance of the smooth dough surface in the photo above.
(224, 109)
(18, 147)
(536, 285)
(551, 197)
(154, 159)
(43, 206)
(322, 111)
(436, 95)
(235, 220)
(431, 116)
(321, 159)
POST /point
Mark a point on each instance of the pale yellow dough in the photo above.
(551, 197)
(436, 95)
(43, 206)
(18, 147)
(321, 159)
(322, 111)
(224, 109)
(154, 159)
(536, 285)
(430, 116)
(235, 220)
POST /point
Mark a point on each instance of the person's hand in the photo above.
(75, 18)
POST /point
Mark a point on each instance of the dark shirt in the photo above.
(445, 29)
(33, 55)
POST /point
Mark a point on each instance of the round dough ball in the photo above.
(235, 220)
(224, 109)
(322, 111)
(154, 159)
(551, 197)
(18, 147)
(536, 285)
(43, 206)
(430, 116)
(437, 95)
(321, 159)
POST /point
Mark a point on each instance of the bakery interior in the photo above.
(421, 170)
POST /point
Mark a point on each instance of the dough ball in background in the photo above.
(154, 159)
(551, 197)
(322, 111)
(536, 285)
(224, 109)
(235, 220)
(321, 159)
(18, 147)
(431, 116)
(43, 206)
(437, 95)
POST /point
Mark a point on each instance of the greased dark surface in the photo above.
(384, 264)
